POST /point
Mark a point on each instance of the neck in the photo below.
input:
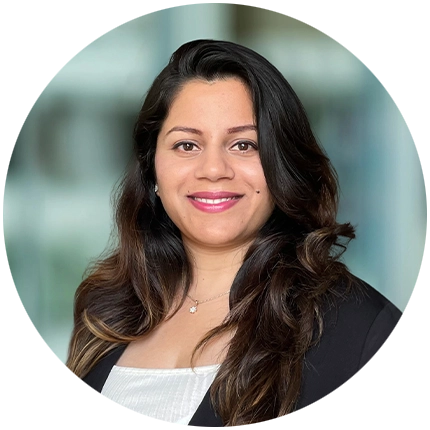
(214, 269)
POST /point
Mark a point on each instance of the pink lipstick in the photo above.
(213, 202)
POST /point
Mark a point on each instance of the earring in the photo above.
(156, 188)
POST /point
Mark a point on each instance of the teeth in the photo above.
(213, 201)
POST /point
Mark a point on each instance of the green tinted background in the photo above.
(76, 141)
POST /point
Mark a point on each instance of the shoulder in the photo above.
(362, 319)
(357, 322)
(358, 315)
(355, 325)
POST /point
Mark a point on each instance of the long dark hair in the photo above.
(290, 269)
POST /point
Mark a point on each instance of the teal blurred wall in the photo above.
(76, 142)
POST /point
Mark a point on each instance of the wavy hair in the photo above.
(292, 266)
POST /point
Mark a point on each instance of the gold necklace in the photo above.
(193, 309)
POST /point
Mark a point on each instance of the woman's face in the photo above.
(207, 165)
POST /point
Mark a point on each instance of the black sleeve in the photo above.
(389, 388)
(392, 380)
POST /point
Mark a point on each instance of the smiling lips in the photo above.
(214, 202)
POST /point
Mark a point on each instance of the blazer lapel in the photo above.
(96, 378)
(205, 415)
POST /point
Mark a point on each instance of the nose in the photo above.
(214, 164)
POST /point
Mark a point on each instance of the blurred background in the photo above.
(76, 142)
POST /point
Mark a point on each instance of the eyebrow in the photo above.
(231, 130)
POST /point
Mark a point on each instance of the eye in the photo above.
(244, 146)
(186, 146)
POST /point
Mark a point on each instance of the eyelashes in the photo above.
(185, 146)
(243, 146)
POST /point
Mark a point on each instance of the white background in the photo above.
(33, 389)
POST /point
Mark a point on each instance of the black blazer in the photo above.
(367, 369)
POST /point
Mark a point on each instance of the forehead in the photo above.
(200, 84)
(199, 99)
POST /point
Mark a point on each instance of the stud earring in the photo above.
(156, 188)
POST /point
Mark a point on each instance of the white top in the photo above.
(167, 394)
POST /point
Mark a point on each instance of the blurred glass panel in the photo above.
(76, 142)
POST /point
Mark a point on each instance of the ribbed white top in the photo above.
(167, 394)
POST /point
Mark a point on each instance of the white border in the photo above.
(34, 390)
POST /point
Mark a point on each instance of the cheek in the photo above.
(163, 171)
(255, 176)
(173, 179)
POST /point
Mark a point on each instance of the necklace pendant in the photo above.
(193, 309)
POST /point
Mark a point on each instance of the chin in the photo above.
(220, 239)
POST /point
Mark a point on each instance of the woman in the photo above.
(225, 302)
